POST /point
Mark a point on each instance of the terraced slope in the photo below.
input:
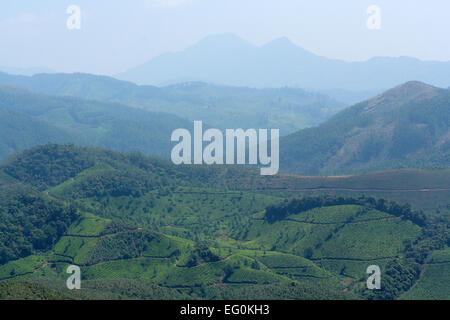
(204, 233)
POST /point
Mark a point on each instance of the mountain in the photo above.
(229, 60)
(404, 127)
(25, 71)
(29, 119)
(19, 131)
(407, 126)
(223, 107)
(143, 228)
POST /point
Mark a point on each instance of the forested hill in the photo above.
(407, 126)
(28, 119)
(47, 166)
(288, 109)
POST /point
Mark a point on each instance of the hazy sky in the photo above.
(116, 35)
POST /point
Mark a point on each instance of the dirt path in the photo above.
(46, 263)
(343, 222)
(352, 189)
(422, 271)
(353, 259)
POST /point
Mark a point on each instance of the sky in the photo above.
(117, 35)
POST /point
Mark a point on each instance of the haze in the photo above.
(116, 35)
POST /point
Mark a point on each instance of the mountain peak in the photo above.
(411, 90)
(283, 42)
(223, 40)
(228, 59)
(414, 85)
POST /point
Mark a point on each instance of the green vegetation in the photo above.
(28, 119)
(288, 109)
(15, 290)
(142, 228)
(92, 290)
(295, 206)
(405, 127)
(29, 222)
(23, 266)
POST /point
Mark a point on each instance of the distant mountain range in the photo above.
(25, 71)
(407, 126)
(229, 60)
(287, 109)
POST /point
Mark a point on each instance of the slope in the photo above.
(30, 119)
(288, 109)
(407, 126)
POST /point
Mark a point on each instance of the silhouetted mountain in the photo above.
(25, 71)
(230, 60)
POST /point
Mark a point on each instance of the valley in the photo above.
(203, 232)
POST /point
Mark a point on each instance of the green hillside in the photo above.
(28, 119)
(434, 282)
(288, 109)
(20, 131)
(405, 127)
(142, 228)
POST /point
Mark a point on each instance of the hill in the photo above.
(434, 283)
(287, 109)
(230, 60)
(146, 229)
(407, 126)
(46, 166)
(20, 131)
(30, 119)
